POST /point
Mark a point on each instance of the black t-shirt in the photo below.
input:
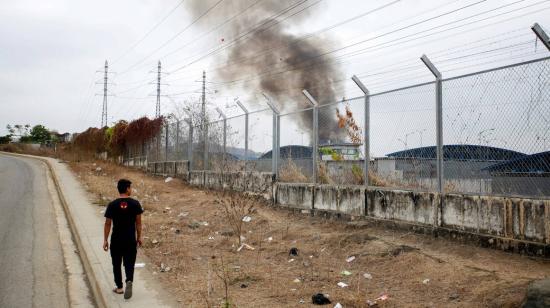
(123, 212)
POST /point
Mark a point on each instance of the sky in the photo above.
(52, 55)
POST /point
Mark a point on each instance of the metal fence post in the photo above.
(315, 143)
(366, 136)
(238, 102)
(224, 134)
(190, 144)
(276, 140)
(177, 146)
(438, 119)
(166, 142)
(205, 156)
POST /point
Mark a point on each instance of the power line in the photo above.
(309, 59)
(255, 29)
(149, 32)
(173, 37)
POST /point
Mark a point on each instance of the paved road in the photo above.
(32, 268)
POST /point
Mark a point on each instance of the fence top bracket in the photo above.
(221, 113)
(310, 98)
(238, 102)
(541, 34)
(431, 66)
(360, 85)
(270, 104)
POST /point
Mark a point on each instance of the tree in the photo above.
(22, 130)
(5, 139)
(40, 134)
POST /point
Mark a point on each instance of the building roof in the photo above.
(291, 151)
(460, 152)
(533, 164)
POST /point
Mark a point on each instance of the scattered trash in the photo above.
(164, 268)
(342, 284)
(320, 299)
(338, 305)
(168, 179)
(210, 237)
(293, 290)
(243, 238)
(367, 276)
(293, 251)
(269, 239)
(183, 214)
(311, 257)
(227, 233)
(193, 225)
(167, 208)
(350, 259)
(155, 241)
(296, 280)
(454, 296)
(291, 260)
(203, 223)
(345, 273)
(245, 246)
(382, 297)
(302, 301)
(247, 219)
(139, 265)
(155, 198)
(98, 169)
(426, 281)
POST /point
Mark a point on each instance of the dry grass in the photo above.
(291, 173)
(459, 275)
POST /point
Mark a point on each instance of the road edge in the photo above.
(88, 269)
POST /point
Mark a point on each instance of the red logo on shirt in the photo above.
(123, 205)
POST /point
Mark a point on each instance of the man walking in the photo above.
(124, 214)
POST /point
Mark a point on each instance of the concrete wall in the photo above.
(342, 199)
(518, 224)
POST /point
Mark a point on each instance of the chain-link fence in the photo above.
(295, 160)
(497, 131)
(402, 134)
(340, 142)
(494, 137)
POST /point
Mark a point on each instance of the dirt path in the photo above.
(186, 230)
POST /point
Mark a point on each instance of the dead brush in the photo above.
(235, 207)
(291, 173)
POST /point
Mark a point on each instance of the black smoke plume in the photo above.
(272, 60)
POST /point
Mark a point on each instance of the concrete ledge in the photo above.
(417, 207)
(299, 196)
(196, 178)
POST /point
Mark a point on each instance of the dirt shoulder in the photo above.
(188, 237)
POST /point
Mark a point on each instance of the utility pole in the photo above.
(157, 110)
(203, 96)
(104, 110)
(204, 124)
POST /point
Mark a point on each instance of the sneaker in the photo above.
(128, 291)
